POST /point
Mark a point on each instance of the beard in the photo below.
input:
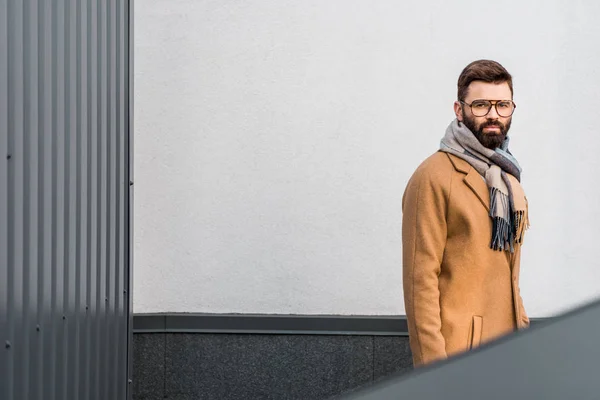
(489, 140)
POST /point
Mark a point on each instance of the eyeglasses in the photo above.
(481, 108)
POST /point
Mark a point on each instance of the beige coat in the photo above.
(458, 292)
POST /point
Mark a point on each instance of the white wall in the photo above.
(274, 139)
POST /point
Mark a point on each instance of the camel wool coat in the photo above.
(458, 292)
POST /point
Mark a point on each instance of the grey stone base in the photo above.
(187, 366)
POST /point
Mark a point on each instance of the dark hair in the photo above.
(482, 70)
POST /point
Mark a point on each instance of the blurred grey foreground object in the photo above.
(559, 359)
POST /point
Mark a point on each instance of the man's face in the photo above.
(491, 129)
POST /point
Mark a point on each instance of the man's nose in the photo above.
(493, 114)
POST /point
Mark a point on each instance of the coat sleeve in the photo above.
(424, 232)
(523, 321)
(524, 317)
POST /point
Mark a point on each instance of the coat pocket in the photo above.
(475, 332)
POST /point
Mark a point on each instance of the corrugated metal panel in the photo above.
(64, 199)
(4, 372)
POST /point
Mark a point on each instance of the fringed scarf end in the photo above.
(521, 225)
(508, 226)
(502, 235)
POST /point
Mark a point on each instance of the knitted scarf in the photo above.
(508, 207)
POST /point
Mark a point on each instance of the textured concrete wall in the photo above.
(274, 140)
(222, 366)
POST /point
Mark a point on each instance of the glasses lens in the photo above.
(479, 108)
(505, 108)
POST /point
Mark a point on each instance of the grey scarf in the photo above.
(508, 207)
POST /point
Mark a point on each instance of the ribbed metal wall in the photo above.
(64, 199)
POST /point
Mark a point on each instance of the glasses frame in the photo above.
(493, 103)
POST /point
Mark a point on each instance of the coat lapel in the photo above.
(472, 179)
(478, 186)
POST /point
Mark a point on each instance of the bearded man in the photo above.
(464, 216)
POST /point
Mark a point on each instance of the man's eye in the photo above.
(480, 104)
(505, 104)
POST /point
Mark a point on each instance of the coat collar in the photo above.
(472, 179)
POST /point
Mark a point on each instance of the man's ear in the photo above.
(458, 110)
